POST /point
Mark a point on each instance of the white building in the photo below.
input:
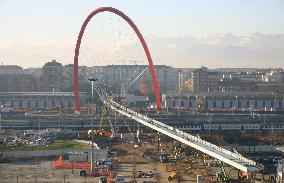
(40, 100)
(239, 101)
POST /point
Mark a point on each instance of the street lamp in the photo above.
(92, 84)
(92, 133)
(134, 166)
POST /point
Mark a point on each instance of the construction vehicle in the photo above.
(141, 174)
(222, 176)
(83, 173)
(174, 175)
(163, 158)
(168, 168)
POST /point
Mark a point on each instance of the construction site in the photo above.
(140, 155)
(120, 120)
(118, 144)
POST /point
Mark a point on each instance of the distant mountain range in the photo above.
(219, 50)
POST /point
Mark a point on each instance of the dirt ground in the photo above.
(42, 171)
(126, 161)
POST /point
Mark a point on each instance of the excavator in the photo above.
(174, 173)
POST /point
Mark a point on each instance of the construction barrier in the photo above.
(60, 163)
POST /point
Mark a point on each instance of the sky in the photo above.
(181, 33)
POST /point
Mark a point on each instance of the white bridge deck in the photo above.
(233, 159)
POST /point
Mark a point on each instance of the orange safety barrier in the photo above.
(61, 164)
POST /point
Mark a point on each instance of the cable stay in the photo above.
(225, 156)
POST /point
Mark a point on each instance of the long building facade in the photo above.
(244, 101)
(39, 100)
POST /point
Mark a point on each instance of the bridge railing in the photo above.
(183, 135)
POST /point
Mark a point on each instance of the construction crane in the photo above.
(113, 131)
(100, 131)
(198, 104)
(222, 176)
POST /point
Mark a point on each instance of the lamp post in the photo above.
(92, 80)
(134, 163)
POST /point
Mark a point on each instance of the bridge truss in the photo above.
(234, 159)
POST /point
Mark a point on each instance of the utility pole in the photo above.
(209, 122)
(92, 143)
(179, 90)
(158, 143)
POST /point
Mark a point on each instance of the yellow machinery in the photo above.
(174, 175)
(100, 131)
(168, 168)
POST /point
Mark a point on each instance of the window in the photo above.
(255, 104)
(223, 104)
(263, 103)
(181, 103)
(69, 104)
(247, 104)
(206, 104)
(214, 104)
(239, 104)
(189, 103)
(231, 104)
(272, 103)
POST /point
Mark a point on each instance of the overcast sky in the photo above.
(187, 33)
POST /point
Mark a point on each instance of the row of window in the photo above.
(248, 104)
(32, 98)
(230, 126)
(27, 104)
(255, 104)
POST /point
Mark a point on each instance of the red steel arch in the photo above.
(145, 47)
